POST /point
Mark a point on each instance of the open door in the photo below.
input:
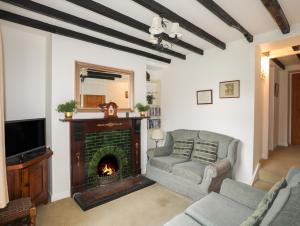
(295, 124)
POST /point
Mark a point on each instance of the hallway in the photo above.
(277, 166)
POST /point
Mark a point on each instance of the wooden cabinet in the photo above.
(29, 179)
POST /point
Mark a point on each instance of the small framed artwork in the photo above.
(230, 89)
(276, 90)
(205, 97)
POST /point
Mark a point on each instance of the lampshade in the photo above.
(174, 33)
(157, 134)
(156, 27)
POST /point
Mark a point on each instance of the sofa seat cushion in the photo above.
(191, 170)
(215, 209)
(166, 163)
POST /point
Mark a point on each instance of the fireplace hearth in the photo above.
(105, 159)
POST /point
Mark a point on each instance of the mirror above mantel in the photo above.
(96, 84)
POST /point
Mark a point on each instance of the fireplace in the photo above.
(105, 159)
(97, 145)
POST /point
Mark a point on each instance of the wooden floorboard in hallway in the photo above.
(277, 166)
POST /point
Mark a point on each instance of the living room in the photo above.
(46, 54)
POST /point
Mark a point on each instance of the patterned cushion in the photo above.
(265, 204)
(205, 151)
(183, 148)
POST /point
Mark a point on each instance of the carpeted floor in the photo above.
(151, 206)
(277, 166)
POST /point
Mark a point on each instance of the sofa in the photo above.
(185, 174)
(240, 204)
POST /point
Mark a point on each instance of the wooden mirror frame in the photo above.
(79, 65)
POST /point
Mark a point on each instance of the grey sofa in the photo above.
(192, 178)
(237, 201)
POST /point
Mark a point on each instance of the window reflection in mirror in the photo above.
(97, 84)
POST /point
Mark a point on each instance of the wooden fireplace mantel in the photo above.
(80, 130)
(92, 119)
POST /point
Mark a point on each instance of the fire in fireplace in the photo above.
(108, 169)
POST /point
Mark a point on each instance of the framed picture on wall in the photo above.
(205, 97)
(230, 89)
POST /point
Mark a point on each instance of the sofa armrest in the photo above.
(242, 193)
(217, 169)
(232, 151)
(160, 151)
(214, 170)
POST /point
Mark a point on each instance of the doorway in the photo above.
(295, 109)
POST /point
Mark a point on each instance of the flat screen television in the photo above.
(24, 137)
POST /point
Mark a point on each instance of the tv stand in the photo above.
(25, 157)
(29, 178)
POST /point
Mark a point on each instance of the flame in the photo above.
(107, 170)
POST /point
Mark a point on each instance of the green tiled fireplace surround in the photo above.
(99, 144)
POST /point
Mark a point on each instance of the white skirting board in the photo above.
(59, 196)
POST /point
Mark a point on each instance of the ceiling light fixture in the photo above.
(158, 27)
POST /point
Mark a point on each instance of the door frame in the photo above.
(291, 73)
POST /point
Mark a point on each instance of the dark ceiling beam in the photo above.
(76, 35)
(278, 15)
(225, 17)
(278, 63)
(56, 14)
(170, 15)
(297, 48)
(115, 15)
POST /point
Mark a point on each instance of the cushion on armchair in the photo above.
(191, 170)
(205, 151)
(223, 141)
(166, 163)
(215, 209)
(183, 148)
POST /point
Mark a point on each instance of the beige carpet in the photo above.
(277, 166)
(151, 206)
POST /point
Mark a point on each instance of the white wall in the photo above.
(40, 74)
(25, 59)
(65, 52)
(233, 117)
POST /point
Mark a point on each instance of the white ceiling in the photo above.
(251, 14)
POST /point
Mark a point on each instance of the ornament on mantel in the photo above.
(110, 109)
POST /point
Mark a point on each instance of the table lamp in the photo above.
(157, 135)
